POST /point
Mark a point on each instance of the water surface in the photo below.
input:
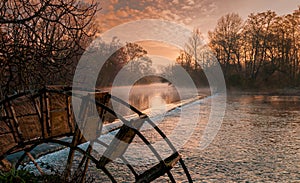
(259, 141)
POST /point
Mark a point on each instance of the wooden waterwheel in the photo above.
(42, 118)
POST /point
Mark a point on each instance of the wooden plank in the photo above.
(74, 143)
(76, 138)
(103, 98)
(83, 113)
(47, 113)
(69, 112)
(35, 163)
(15, 121)
(159, 169)
(39, 114)
(9, 124)
(93, 127)
(121, 141)
(94, 119)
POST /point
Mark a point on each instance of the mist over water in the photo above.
(154, 96)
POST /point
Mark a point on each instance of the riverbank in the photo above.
(266, 91)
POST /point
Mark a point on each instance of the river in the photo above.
(259, 139)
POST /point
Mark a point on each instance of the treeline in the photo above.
(263, 51)
(131, 59)
(42, 41)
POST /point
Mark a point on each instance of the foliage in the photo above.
(132, 58)
(17, 176)
(24, 176)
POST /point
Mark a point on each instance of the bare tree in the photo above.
(195, 46)
(225, 41)
(132, 54)
(257, 31)
(40, 40)
(285, 45)
(264, 48)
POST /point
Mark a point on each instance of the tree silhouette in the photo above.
(41, 40)
(263, 50)
(225, 41)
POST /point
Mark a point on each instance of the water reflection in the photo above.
(152, 96)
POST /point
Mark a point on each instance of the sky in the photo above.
(202, 14)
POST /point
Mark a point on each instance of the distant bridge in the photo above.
(43, 116)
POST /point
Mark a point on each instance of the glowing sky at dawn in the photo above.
(202, 14)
